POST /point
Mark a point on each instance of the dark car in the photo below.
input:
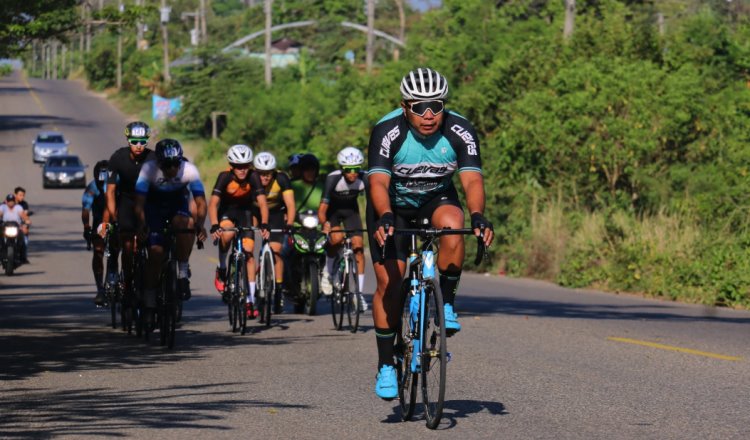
(64, 171)
(48, 144)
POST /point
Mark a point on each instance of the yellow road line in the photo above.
(673, 348)
(36, 98)
(213, 259)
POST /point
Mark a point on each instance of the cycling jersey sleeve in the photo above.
(465, 142)
(257, 187)
(385, 140)
(112, 177)
(284, 183)
(222, 180)
(329, 185)
(91, 193)
(195, 185)
(145, 177)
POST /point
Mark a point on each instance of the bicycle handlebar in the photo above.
(436, 232)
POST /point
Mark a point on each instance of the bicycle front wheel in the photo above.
(242, 296)
(352, 295)
(434, 354)
(407, 380)
(267, 288)
(337, 297)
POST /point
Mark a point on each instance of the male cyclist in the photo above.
(413, 153)
(124, 166)
(230, 206)
(339, 205)
(162, 193)
(281, 210)
(94, 203)
(10, 211)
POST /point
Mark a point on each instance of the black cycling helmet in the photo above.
(137, 129)
(168, 151)
(294, 160)
(309, 160)
(101, 172)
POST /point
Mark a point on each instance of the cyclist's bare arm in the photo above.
(291, 210)
(473, 184)
(381, 201)
(200, 216)
(111, 210)
(213, 209)
(323, 217)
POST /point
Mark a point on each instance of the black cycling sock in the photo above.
(385, 337)
(449, 285)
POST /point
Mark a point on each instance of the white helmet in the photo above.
(424, 83)
(240, 155)
(350, 156)
(264, 161)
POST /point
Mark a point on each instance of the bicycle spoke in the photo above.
(434, 355)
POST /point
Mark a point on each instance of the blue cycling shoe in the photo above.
(451, 321)
(386, 385)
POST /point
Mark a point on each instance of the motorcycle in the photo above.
(12, 242)
(307, 260)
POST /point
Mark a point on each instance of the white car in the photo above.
(48, 144)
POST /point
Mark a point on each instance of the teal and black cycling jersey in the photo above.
(422, 167)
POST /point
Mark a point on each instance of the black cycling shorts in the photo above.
(276, 220)
(397, 247)
(240, 217)
(126, 220)
(348, 216)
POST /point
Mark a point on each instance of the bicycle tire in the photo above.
(434, 354)
(243, 290)
(312, 285)
(229, 292)
(352, 296)
(268, 287)
(337, 297)
(407, 381)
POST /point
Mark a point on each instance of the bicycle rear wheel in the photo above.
(352, 295)
(407, 381)
(434, 355)
(168, 306)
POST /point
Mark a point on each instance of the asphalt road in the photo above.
(533, 360)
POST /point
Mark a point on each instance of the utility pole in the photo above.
(570, 19)
(139, 30)
(370, 34)
(165, 38)
(64, 55)
(267, 7)
(118, 82)
(204, 35)
(401, 29)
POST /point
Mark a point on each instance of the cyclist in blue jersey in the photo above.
(413, 153)
(94, 203)
(162, 193)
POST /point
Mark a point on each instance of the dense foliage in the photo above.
(617, 159)
(24, 20)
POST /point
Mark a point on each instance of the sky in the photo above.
(422, 5)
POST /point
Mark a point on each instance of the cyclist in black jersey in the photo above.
(413, 153)
(281, 210)
(124, 167)
(231, 206)
(339, 205)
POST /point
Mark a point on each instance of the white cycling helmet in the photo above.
(350, 156)
(240, 155)
(424, 83)
(264, 161)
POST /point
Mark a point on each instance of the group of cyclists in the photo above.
(413, 153)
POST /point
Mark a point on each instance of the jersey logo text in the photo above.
(385, 144)
(471, 146)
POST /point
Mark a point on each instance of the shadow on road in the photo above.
(477, 306)
(23, 122)
(452, 410)
(104, 412)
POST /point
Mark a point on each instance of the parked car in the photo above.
(64, 171)
(48, 144)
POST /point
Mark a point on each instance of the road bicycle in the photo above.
(346, 293)
(169, 299)
(267, 298)
(113, 287)
(420, 348)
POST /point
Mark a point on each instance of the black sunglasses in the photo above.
(419, 108)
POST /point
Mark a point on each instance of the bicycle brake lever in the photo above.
(481, 249)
